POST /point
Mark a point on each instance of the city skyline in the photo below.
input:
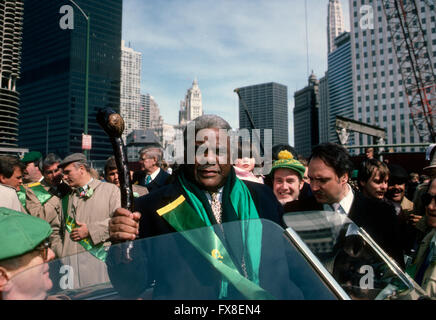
(224, 47)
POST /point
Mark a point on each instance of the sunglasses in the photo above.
(427, 198)
(43, 248)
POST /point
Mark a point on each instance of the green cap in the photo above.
(287, 161)
(31, 156)
(20, 233)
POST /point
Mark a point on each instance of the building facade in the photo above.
(267, 105)
(306, 113)
(323, 116)
(335, 23)
(379, 93)
(130, 91)
(11, 25)
(192, 106)
(340, 85)
(52, 84)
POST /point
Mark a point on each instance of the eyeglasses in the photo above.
(43, 248)
(427, 198)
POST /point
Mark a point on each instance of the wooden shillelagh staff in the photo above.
(113, 124)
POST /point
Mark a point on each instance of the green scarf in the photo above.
(237, 204)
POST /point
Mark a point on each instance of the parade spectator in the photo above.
(373, 178)
(403, 207)
(88, 210)
(24, 249)
(205, 194)
(151, 175)
(411, 185)
(111, 176)
(50, 188)
(330, 167)
(10, 181)
(430, 172)
(44, 198)
(424, 264)
(244, 169)
(305, 192)
(397, 189)
(32, 172)
(245, 165)
(370, 153)
(288, 174)
(304, 162)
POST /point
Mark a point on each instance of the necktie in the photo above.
(337, 208)
(81, 192)
(216, 206)
(148, 179)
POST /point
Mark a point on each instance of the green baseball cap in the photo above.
(31, 156)
(20, 233)
(287, 161)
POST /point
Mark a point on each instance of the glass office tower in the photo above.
(52, 84)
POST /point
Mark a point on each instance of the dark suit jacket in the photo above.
(376, 217)
(180, 271)
(158, 182)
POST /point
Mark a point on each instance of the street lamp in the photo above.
(88, 22)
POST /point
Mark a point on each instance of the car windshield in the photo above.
(251, 259)
(351, 256)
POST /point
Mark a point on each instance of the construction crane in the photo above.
(410, 43)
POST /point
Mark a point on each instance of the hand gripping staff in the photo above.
(113, 124)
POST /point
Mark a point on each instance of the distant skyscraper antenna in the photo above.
(307, 38)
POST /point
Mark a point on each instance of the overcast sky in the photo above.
(225, 45)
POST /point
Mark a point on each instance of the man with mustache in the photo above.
(205, 193)
(330, 168)
(396, 191)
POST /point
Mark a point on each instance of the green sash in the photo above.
(183, 217)
(22, 196)
(97, 251)
(39, 191)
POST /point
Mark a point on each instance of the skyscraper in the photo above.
(192, 106)
(323, 116)
(267, 104)
(130, 100)
(11, 22)
(379, 93)
(52, 85)
(340, 85)
(306, 111)
(335, 23)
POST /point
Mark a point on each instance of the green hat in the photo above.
(287, 161)
(20, 233)
(31, 156)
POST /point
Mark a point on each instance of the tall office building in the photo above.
(335, 23)
(52, 84)
(340, 85)
(323, 116)
(130, 99)
(11, 22)
(192, 106)
(306, 112)
(144, 111)
(267, 104)
(379, 93)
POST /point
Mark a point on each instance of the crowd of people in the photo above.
(57, 208)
